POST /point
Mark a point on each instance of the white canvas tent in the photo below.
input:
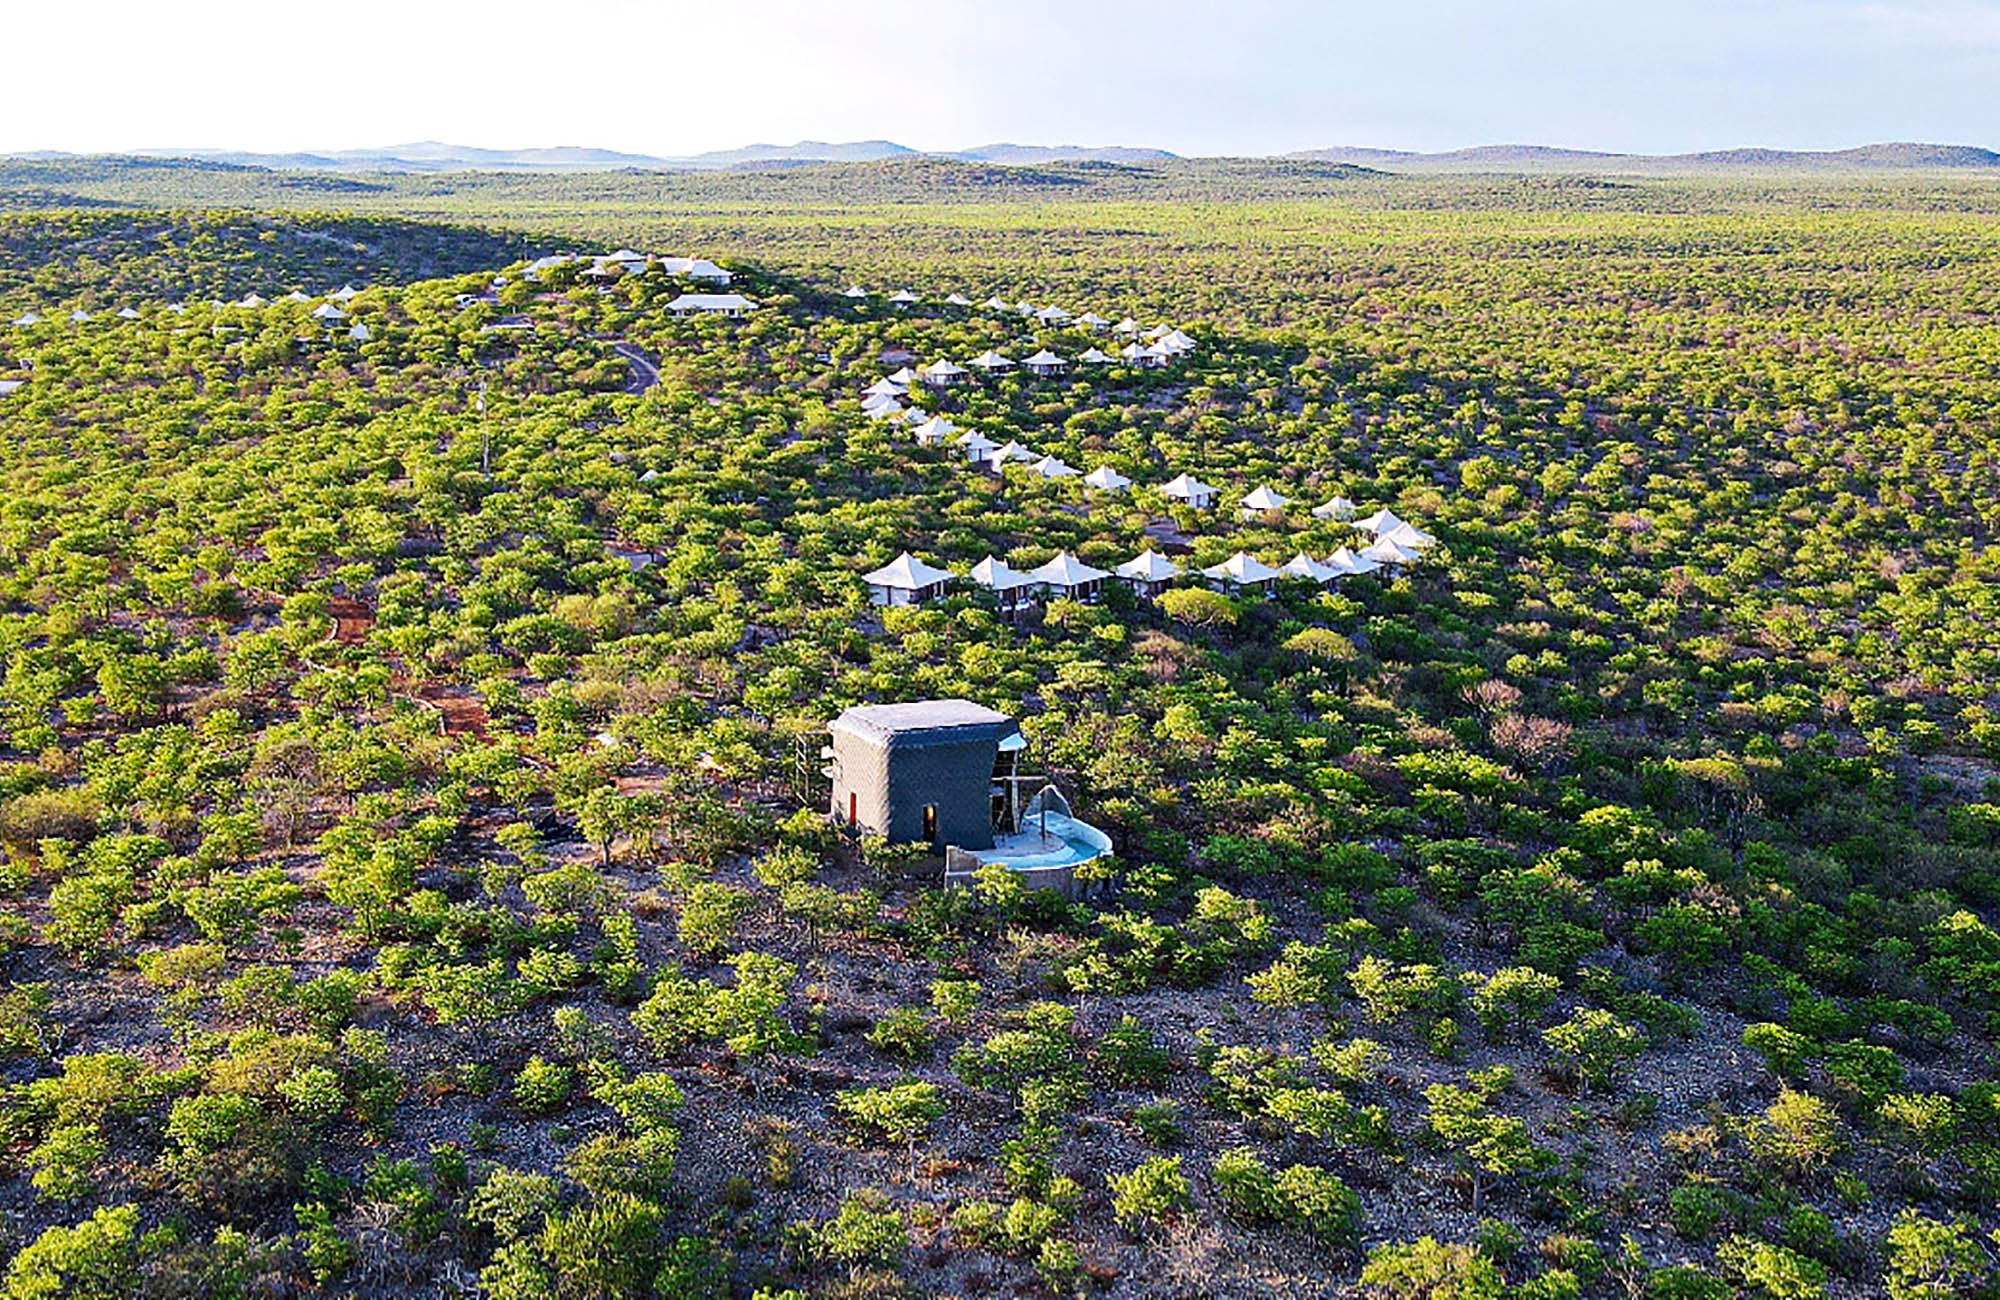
(942, 373)
(1410, 537)
(1148, 572)
(1338, 508)
(905, 580)
(1262, 500)
(711, 304)
(1093, 357)
(1241, 572)
(1010, 587)
(1381, 522)
(1189, 490)
(934, 431)
(976, 446)
(992, 362)
(1389, 554)
(1053, 467)
(1046, 363)
(1306, 567)
(1346, 563)
(1106, 479)
(1069, 578)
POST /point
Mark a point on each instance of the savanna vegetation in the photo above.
(414, 877)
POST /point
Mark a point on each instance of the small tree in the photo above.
(901, 1112)
(1798, 1133)
(1595, 1045)
(1489, 1147)
(1512, 999)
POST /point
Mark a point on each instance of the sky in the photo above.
(671, 77)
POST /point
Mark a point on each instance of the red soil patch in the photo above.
(351, 620)
(462, 716)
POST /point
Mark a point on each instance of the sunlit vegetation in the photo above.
(414, 876)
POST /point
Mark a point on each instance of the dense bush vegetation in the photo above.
(412, 878)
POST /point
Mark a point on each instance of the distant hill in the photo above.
(428, 157)
(422, 156)
(1037, 155)
(1528, 157)
(805, 151)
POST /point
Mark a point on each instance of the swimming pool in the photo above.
(1064, 843)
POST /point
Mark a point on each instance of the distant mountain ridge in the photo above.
(431, 156)
(1527, 157)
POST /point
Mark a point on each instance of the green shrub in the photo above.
(542, 1086)
(96, 1259)
(1150, 1194)
(1427, 1269)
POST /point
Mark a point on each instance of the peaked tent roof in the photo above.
(907, 573)
(958, 300)
(1338, 508)
(1093, 357)
(1305, 566)
(1186, 487)
(1265, 499)
(942, 366)
(712, 302)
(1149, 566)
(1106, 479)
(1382, 521)
(1344, 561)
(1410, 537)
(1241, 567)
(1385, 551)
(995, 574)
(991, 360)
(1045, 358)
(854, 291)
(1065, 570)
(1053, 467)
(936, 428)
(1014, 451)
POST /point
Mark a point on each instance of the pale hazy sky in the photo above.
(1230, 76)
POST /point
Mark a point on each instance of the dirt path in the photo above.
(644, 373)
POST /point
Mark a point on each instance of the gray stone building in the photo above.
(936, 772)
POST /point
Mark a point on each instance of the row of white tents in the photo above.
(1261, 502)
(329, 314)
(907, 580)
(609, 266)
(884, 399)
(1051, 317)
